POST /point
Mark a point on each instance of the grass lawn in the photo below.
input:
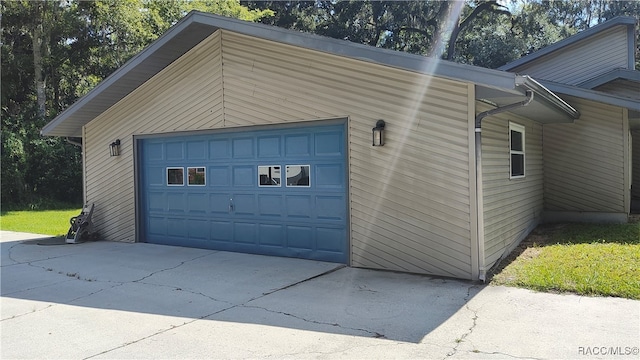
(586, 259)
(47, 222)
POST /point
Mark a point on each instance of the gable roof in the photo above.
(627, 21)
(497, 87)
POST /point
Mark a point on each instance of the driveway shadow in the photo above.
(124, 281)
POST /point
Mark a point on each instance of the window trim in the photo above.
(175, 168)
(521, 129)
(297, 186)
(205, 175)
(270, 186)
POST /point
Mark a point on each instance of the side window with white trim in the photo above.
(516, 150)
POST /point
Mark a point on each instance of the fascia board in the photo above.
(592, 95)
(624, 74)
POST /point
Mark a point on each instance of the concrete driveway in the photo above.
(119, 300)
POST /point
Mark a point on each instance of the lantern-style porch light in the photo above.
(378, 133)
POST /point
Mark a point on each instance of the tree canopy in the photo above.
(53, 52)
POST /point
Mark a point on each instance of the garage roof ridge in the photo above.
(196, 26)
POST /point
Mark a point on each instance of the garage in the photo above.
(273, 191)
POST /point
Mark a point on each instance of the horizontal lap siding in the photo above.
(630, 89)
(635, 156)
(511, 206)
(583, 60)
(584, 161)
(409, 200)
(187, 95)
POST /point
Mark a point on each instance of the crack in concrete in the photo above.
(186, 290)
(462, 337)
(27, 313)
(214, 313)
(171, 268)
(374, 334)
(504, 354)
(171, 327)
(298, 282)
(9, 254)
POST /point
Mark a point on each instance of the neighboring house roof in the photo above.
(616, 74)
(497, 87)
(630, 22)
(633, 105)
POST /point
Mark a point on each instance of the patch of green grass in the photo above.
(586, 259)
(46, 222)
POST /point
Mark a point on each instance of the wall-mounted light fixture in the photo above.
(378, 133)
(114, 148)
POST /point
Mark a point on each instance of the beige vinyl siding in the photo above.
(187, 95)
(407, 213)
(409, 200)
(583, 60)
(584, 161)
(635, 156)
(512, 207)
(626, 88)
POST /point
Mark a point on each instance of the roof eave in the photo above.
(548, 96)
(593, 95)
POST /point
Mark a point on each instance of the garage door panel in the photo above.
(242, 148)
(219, 204)
(300, 211)
(219, 149)
(271, 235)
(198, 203)
(156, 201)
(157, 225)
(297, 145)
(329, 176)
(243, 176)
(196, 150)
(221, 231)
(330, 208)
(269, 147)
(270, 205)
(219, 176)
(156, 177)
(244, 204)
(198, 229)
(328, 239)
(299, 206)
(176, 202)
(177, 227)
(329, 144)
(244, 232)
(300, 237)
(174, 150)
(153, 151)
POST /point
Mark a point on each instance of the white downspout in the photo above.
(479, 203)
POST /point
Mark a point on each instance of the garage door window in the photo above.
(175, 176)
(197, 176)
(298, 175)
(269, 175)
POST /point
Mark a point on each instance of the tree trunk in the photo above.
(38, 35)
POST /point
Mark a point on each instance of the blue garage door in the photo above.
(274, 192)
